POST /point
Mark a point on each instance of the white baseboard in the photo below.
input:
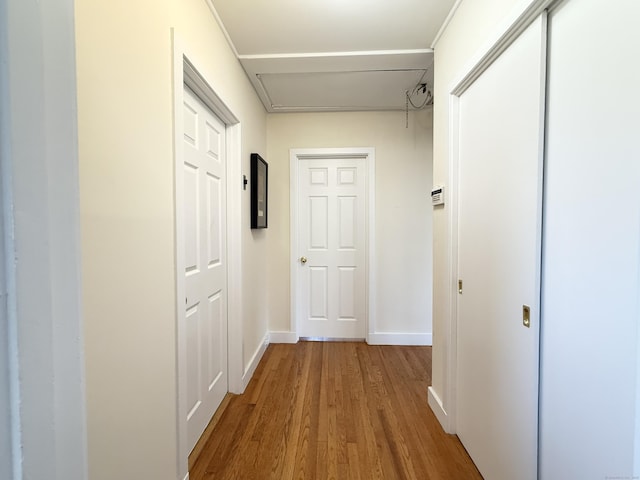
(253, 363)
(438, 409)
(400, 339)
(374, 338)
(283, 337)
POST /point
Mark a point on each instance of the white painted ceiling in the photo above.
(332, 55)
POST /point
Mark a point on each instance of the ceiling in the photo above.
(335, 55)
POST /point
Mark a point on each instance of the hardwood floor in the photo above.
(334, 411)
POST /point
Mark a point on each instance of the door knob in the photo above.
(303, 260)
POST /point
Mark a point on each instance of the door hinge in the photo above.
(460, 287)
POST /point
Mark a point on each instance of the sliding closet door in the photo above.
(590, 362)
(500, 168)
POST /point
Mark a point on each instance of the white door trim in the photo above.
(297, 154)
(185, 72)
(445, 406)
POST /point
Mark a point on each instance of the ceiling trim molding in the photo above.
(214, 12)
(362, 53)
(317, 109)
(390, 60)
(446, 23)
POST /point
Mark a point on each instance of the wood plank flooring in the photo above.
(334, 411)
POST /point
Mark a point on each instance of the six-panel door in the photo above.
(331, 202)
(205, 264)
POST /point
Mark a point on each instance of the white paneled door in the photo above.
(205, 264)
(332, 263)
(500, 166)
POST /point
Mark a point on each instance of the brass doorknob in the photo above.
(303, 260)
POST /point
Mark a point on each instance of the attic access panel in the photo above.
(362, 90)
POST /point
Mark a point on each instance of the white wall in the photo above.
(403, 209)
(6, 434)
(39, 166)
(591, 266)
(473, 28)
(6, 417)
(6, 440)
(124, 56)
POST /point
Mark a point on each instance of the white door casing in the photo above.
(205, 263)
(500, 132)
(332, 213)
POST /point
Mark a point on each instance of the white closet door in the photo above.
(590, 384)
(500, 165)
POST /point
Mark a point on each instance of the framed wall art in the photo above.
(259, 190)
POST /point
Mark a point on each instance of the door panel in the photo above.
(191, 223)
(205, 262)
(318, 223)
(318, 293)
(214, 199)
(346, 293)
(193, 358)
(590, 365)
(347, 225)
(331, 202)
(499, 258)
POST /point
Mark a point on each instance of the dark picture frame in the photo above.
(259, 191)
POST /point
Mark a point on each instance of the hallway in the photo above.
(334, 410)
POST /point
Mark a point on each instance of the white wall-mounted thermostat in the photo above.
(437, 195)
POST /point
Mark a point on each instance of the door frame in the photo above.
(187, 72)
(369, 155)
(445, 407)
